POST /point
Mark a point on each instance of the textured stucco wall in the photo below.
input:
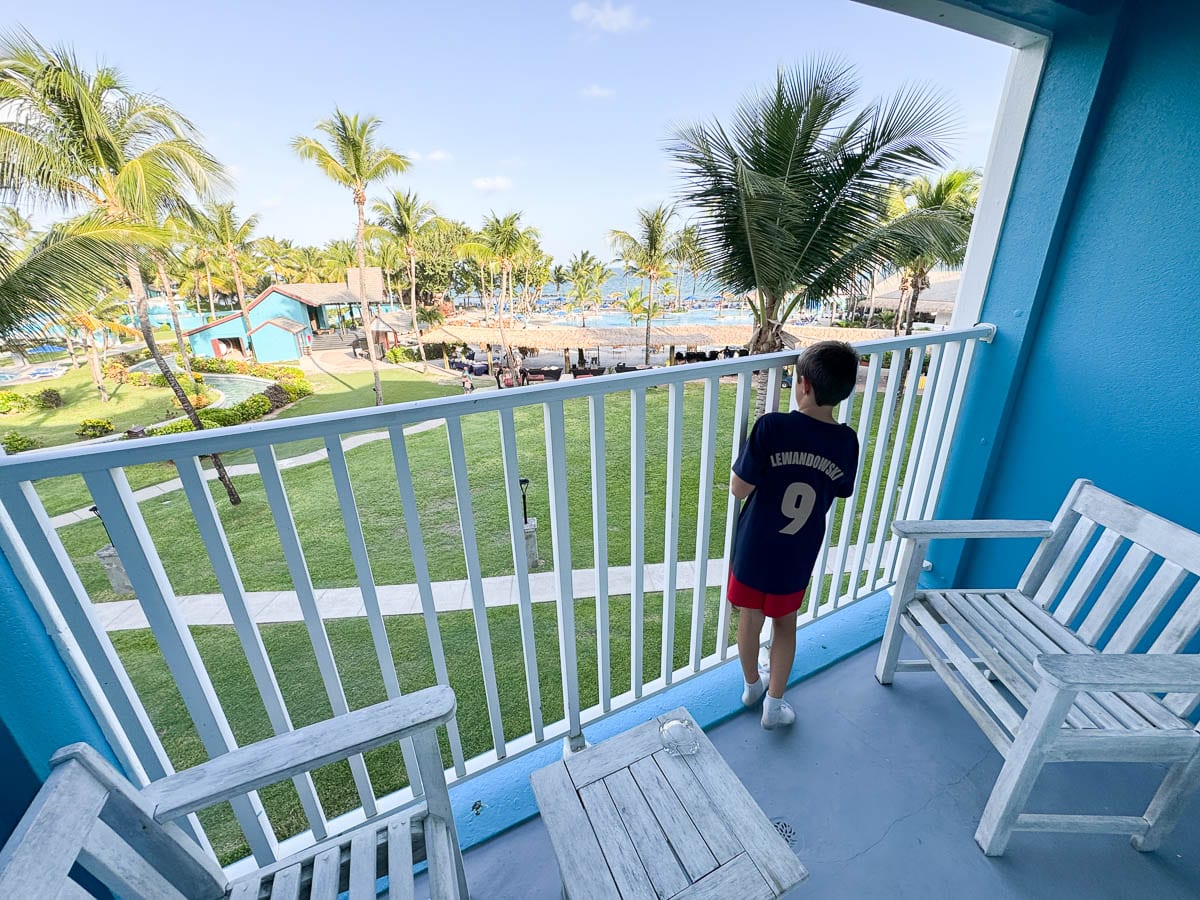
(1103, 327)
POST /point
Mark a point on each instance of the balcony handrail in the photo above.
(906, 410)
(73, 459)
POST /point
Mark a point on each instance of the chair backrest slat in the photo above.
(1159, 535)
(1088, 576)
(1072, 549)
(1166, 581)
(1049, 550)
(1136, 560)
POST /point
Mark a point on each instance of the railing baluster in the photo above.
(46, 563)
(416, 547)
(741, 424)
(954, 394)
(135, 547)
(671, 526)
(600, 547)
(850, 506)
(293, 554)
(637, 538)
(516, 527)
(466, 519)
(774, 387)
(560, 538)
(815, 591)
(920, 429)
(370, 595)
(882, 435)
(903, 428)
(230, 582)
(708, 446)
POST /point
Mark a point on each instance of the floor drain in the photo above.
(786, 831)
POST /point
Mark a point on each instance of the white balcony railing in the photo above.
(905, 421)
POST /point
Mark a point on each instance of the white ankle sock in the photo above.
(752, 693)
(777, 711)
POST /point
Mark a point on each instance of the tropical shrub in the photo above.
(253, 407)
(277, 395)
(15, 442)
(12, 402)
(220, 418)
(199, 400)
(48, 398)
(115, 370)
(139, 379)
(179, 426)
(402, 354)
(94, 428)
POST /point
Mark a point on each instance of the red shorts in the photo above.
(773, 605)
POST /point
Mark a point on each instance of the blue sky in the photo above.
(560, 109)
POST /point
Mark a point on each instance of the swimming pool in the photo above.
(617, 319)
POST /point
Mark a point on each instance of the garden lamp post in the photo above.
(524, 483)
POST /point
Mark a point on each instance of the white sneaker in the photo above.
(777, 713)
(752, 693)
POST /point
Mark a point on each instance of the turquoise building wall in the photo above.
(1094, 294)
(267, 343)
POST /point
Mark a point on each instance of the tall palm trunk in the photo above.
(241, 295)
(183, 349)
(360, 200)
(649, 311)
(767, 337)
(70, 342)
(138, 289)
(914, 292)
(97, 371)
(412, 292)
(505, 288)
(212, 303)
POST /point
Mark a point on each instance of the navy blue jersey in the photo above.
(798, 466)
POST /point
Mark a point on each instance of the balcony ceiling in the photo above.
(884, 788)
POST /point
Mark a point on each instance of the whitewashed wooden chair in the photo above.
(88, 814)
(1089, 649)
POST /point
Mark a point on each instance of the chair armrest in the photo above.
(1156, 672)
(932, 529)
(284, 755)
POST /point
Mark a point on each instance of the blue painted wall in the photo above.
(1104, 326)
(274, 344)
(41, 709)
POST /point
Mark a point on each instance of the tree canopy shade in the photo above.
(792, 194)
(354, 158)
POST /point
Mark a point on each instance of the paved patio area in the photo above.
(883, 788)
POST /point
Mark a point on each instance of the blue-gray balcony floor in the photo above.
(884, 788)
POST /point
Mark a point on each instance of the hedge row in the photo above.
(291, 386)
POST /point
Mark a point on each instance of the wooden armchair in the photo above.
(87, 814)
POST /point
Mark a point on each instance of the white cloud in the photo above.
(607, 17)
(436, 156)
(491, 183)
(413, 156)
(596, 92)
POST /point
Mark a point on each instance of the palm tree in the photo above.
(586, 275)
(689, 255)
(278, 254)
(164, 283)
(337, 258)
(354, 159)
(506, 240)
(390, 257)
(234, 237)
(103, 317)
(648, 254)
(953, 195)
(793, 194)
(559, 276)
(15, 229)
(638, 305)
(88, 142)
(308, 262)
(406, 217)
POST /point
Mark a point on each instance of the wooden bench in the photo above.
(88, 814)
(1083, 660)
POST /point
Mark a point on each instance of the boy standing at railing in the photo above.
(792, 468)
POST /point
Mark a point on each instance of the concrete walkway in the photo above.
(402, 599)
(291, 462)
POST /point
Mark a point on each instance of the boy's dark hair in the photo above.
(831, 367)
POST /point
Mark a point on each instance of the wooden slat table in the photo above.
(628, 820)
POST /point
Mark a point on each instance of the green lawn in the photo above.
(129, 406)
(333, 393)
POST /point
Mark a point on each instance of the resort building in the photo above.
(284, 319)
